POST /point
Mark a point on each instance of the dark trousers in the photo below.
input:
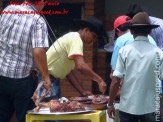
(125, 117)
(15, 95)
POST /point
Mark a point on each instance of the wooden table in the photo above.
(97, 116)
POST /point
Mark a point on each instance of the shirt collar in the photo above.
(141, 38)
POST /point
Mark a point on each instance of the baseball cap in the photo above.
(120, 21)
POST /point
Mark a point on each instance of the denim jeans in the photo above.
(15, 95)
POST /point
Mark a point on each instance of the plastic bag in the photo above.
(41, 93)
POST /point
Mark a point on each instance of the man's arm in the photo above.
(115, 54)
(75, 83)
(87, 71)
(119, 91)
(114, 87)
(41, 63)
(112, 95)
(117, 76)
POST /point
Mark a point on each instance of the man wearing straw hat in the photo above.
(137, 65)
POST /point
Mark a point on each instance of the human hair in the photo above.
(123, 28)
(141, 30)
(133, 9)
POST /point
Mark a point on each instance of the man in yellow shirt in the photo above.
(66, 54)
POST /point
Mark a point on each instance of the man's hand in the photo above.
(102, 86)
(111, 112)
(86, 93)
(47, 83)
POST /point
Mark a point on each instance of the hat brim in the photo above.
(143, 25)
(82, 23)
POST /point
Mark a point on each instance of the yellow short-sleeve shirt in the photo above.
(60, 62)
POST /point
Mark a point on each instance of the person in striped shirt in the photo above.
(23, 39)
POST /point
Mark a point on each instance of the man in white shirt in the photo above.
(137, 65)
